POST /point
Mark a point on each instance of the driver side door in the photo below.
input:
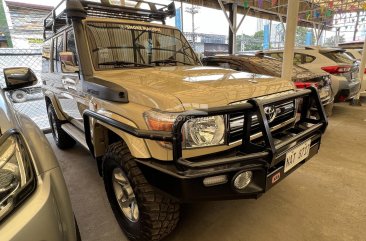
(71, 97)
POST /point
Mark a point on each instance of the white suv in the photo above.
(343, 69)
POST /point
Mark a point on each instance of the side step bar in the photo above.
(76, 134)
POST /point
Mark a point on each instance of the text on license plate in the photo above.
(297, 155)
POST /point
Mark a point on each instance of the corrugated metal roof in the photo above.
(28, 6)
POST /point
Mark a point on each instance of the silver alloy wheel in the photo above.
(125, 196)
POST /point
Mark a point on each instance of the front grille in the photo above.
(285, 112)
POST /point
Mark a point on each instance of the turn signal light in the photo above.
(216, 180)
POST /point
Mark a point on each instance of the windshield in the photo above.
(120, 46)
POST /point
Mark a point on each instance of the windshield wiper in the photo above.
(123, 64)
(168, 61)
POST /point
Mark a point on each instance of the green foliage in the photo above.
(331, 41)
(259, 35)
(301, 36)
(4, 28)
(254, 42)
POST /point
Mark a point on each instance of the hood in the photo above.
(186, 87)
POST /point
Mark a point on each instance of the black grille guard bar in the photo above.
(253, 106)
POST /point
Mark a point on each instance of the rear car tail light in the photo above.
(337, 69)
(303, 85)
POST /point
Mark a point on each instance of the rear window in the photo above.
(350, 55)
(298, 57)
(309, 59)
(276, 55)
(339, 57)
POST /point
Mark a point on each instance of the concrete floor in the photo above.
(323, 200)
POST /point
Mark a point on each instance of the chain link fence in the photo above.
(30, 100)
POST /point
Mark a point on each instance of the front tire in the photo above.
(62, 139)
(142, 212)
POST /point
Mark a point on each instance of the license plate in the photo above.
(297, 155)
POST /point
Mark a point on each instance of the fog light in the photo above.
(216, 180)
(242, 180)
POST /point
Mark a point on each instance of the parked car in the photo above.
(343, 69)
(163, 128)
(34, 202)
(264, 65)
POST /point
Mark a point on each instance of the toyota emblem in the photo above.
(270, 112)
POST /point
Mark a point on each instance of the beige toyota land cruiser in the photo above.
(164, 129)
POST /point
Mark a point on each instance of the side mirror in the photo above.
(19, 77)
(68, 64)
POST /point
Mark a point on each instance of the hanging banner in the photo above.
(246, 4)
(309, 38)
(178, 19)
(266, 36)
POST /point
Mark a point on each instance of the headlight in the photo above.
(16, 173)
(206, 131)
(197, 132)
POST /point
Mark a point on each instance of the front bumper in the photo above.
(188, 186)
(265, 157)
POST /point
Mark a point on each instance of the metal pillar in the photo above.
(270, 34)
(193, 10)
(318, 29)
(232, 20)
(356, 26)
(356, 100)
(336, 38)
(182, 15)
(291, 25)
(233, 13)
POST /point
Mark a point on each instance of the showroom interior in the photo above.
(228, 120)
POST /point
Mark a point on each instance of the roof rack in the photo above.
(67, 10)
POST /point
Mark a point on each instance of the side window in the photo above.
(298, 59)
(223, 65)
(235, 66)
(71, 47)
(350, 55)
(46, 56)
(309, 59)
(277, 55)
(57, 49)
